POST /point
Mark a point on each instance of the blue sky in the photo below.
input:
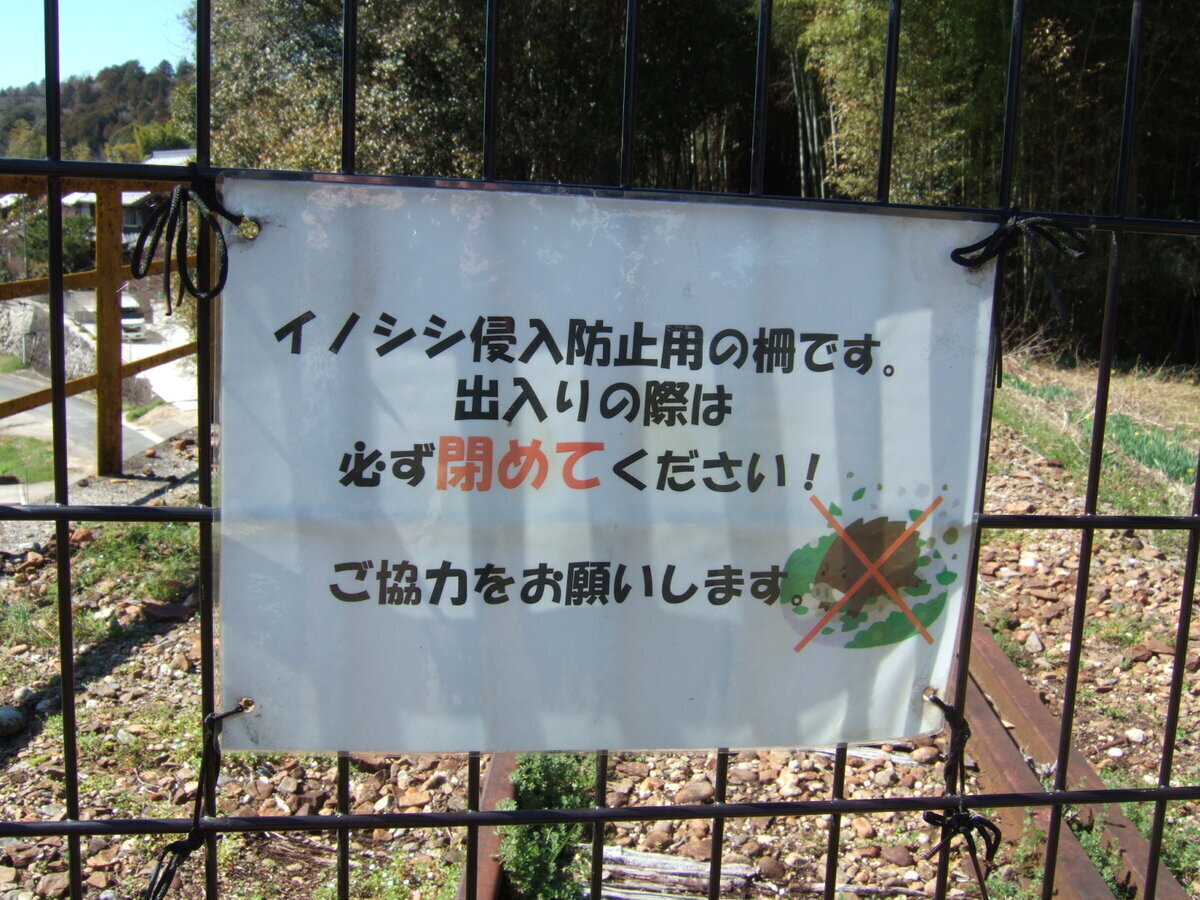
(93, 34)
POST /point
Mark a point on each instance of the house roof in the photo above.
(128, 198)
(170, 157)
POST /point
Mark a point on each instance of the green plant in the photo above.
(76, 246)
(1116, 713)
(27, 458)
(1027, 855)
(401, 878)
(133, 413)
(9, 364)
(1025, 865)
(1181, 841)
(1152, 447)
(1064, 435)
(1012, 890)
(539, 859)
(21, 625)
(1104, 854)
(1032, 421)
(155, 559)
(1002, 623)
(1181, 834)
(1050, 392)
(1120, 631)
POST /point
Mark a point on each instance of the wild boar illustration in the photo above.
(841, 568)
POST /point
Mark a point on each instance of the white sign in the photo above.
(526, 471)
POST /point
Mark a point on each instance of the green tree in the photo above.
(276, 104)
(949, 124)
(276, 94)
(80, 151)
(948, 98)
(158, 136)
(23, 142)
(77, 244)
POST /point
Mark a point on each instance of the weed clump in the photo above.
(540, 859)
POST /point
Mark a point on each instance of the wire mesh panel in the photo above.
(1083, 572)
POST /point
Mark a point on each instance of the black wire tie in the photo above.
(961, 821)
(964, 822)
(170, 217)
(1061, 237)
(175, 854)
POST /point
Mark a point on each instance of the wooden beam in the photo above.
(123, 184)
(22, 184)
(109, 223)
(14, 290)
(34, 399)
(36, 184)
(150, 362)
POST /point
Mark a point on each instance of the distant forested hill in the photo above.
(120, 114)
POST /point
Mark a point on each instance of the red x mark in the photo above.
(872, 571)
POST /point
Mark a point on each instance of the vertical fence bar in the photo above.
(203, 83)
(349, 84)
(597, 874)
(1012, 93)
(343, 836)
(887, 125)
(758, 149)
(473, 830)
(629, 93)
(53, 94)
(1095, 456)
(58, 407)
(720, 791)
(490, 62)
(1183, 624)
(205, 343)
(833, 844)
(58, 381)
(204, 416)
(1175, 694)
(962, 664)
(62, 529)
(1008, 154)
(1132, 70)
(1083, 578)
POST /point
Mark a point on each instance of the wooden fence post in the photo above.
(109, 222)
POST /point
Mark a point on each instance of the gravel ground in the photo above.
(167, 476)
(138, 729)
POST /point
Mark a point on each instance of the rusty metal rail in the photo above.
(1013, 727)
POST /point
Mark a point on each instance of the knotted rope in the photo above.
(1035, 229)
(170, 218)
(962, 821)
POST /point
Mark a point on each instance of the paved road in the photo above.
(81, 423)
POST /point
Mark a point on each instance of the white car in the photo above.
(133, 323)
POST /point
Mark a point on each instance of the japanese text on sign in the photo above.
(737, 435)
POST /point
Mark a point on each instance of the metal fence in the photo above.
(1115, 226)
